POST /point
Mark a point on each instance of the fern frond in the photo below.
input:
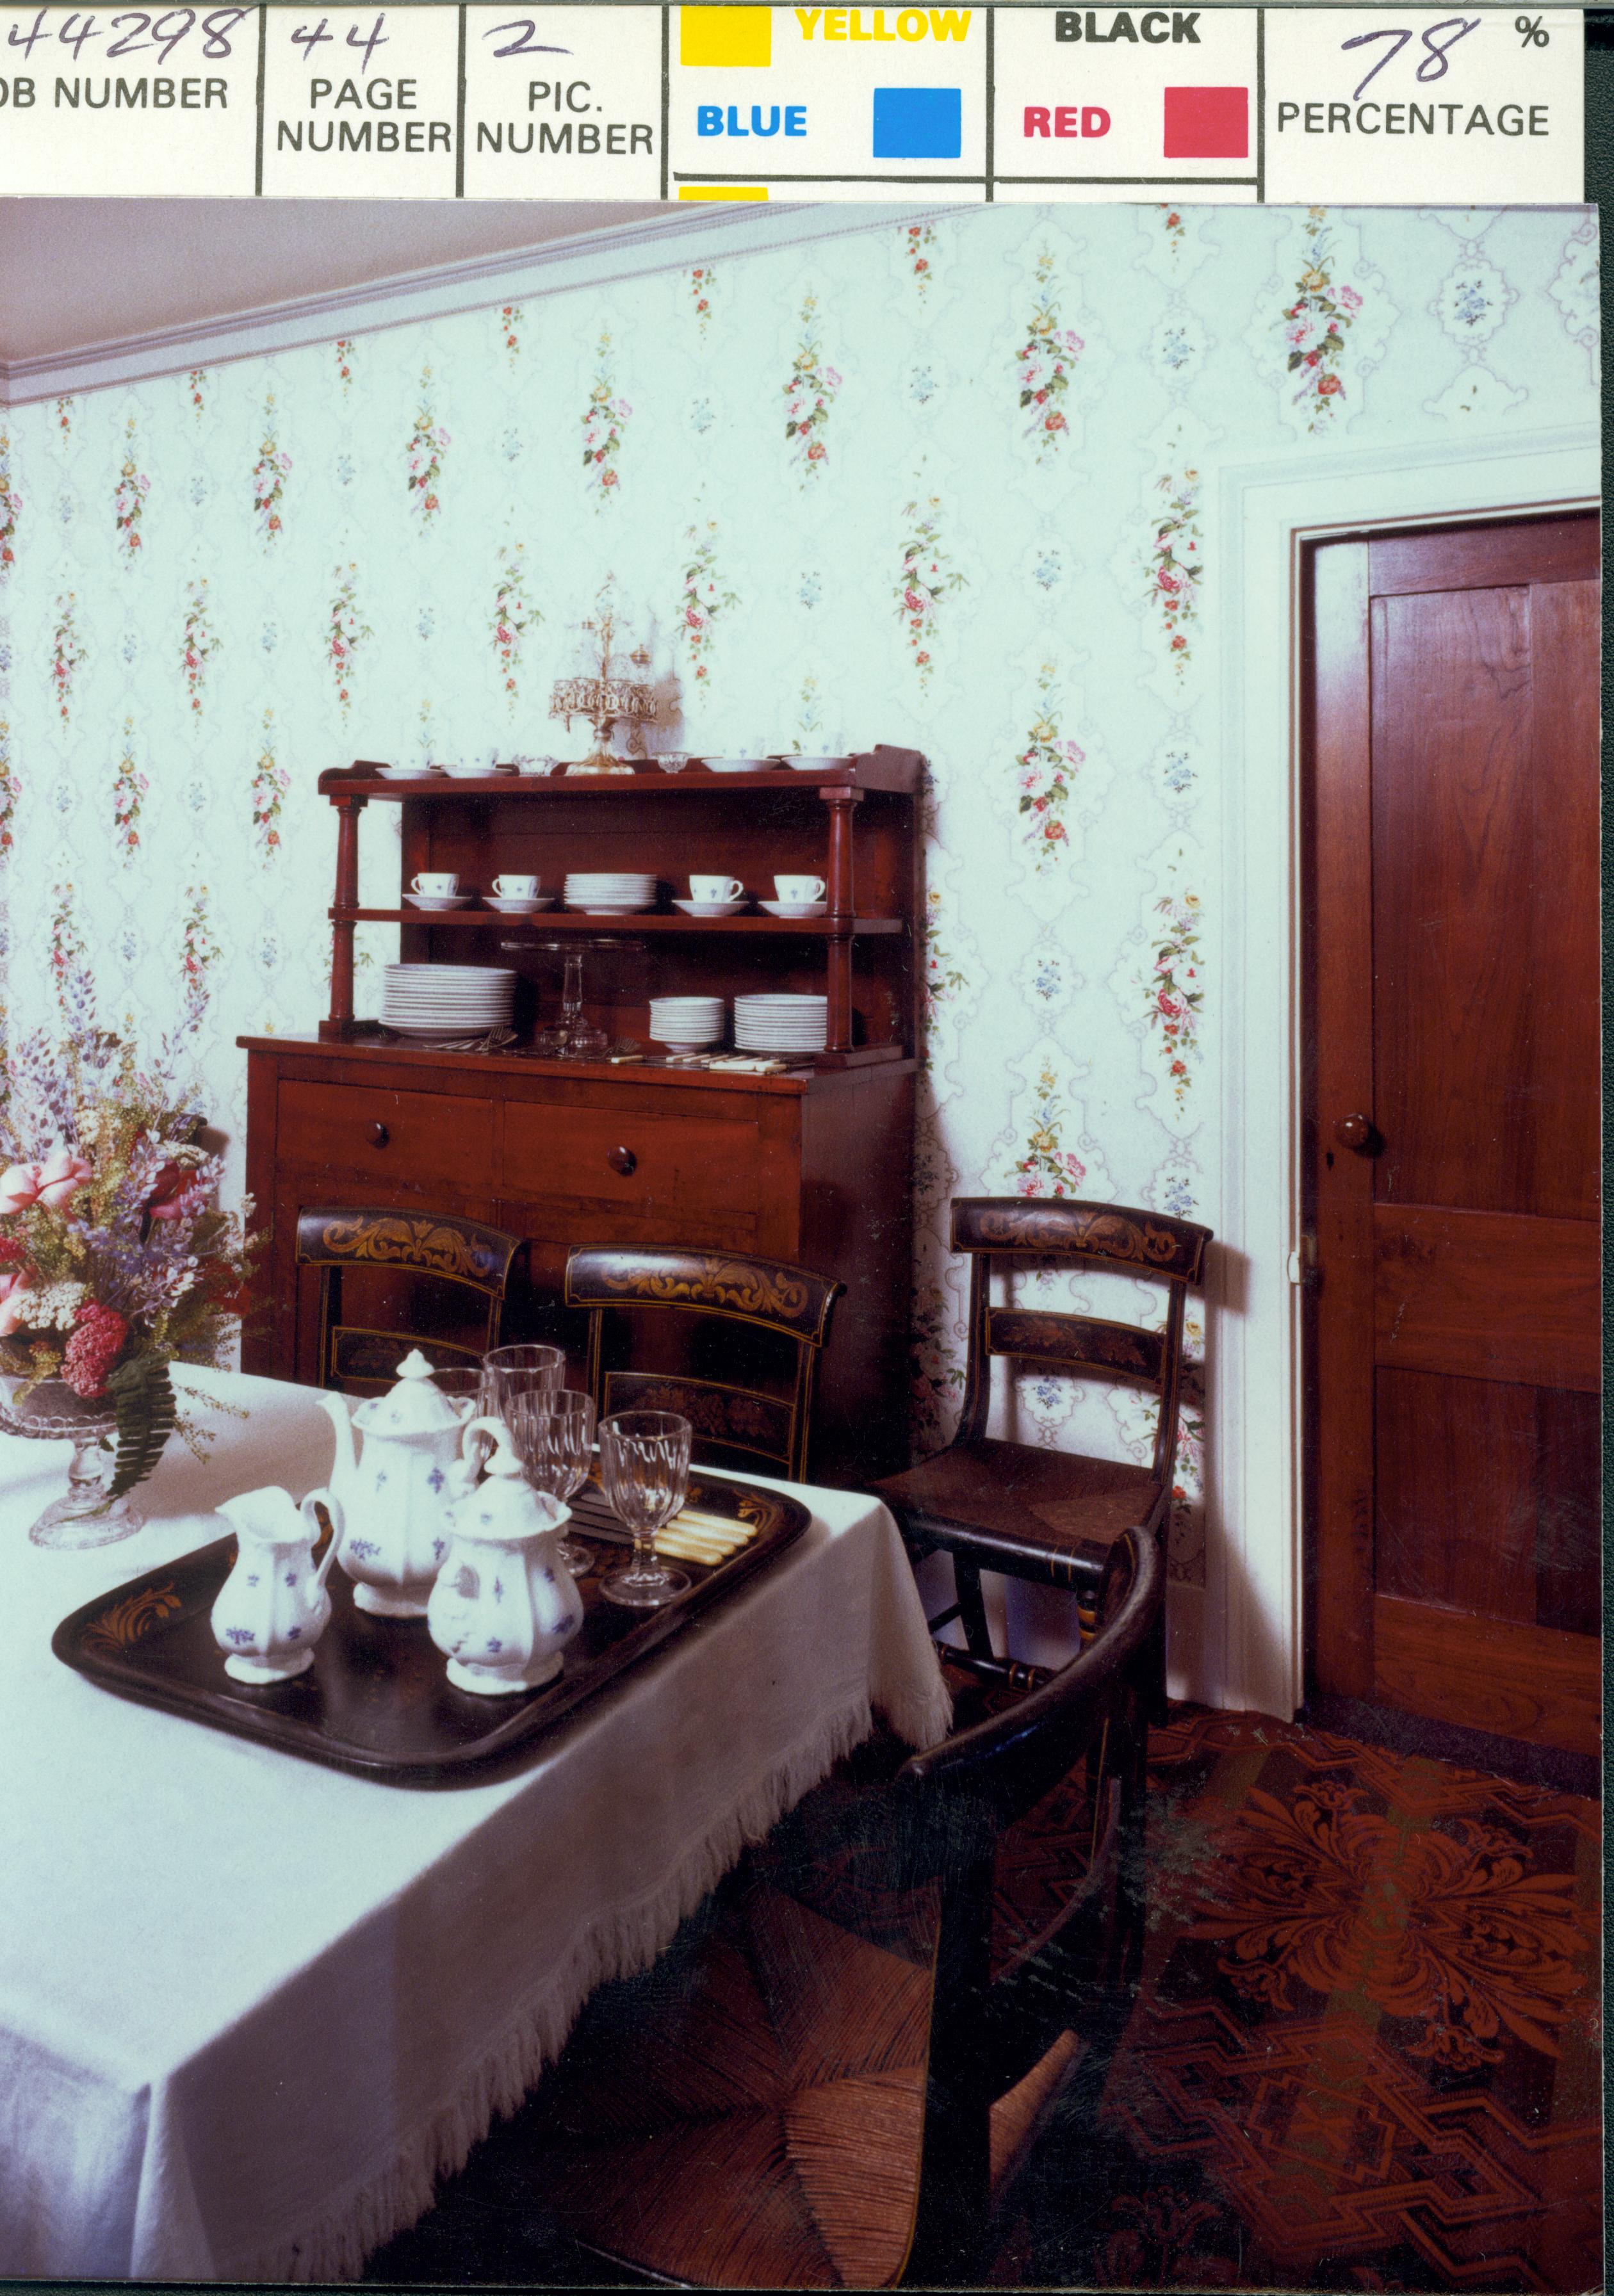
(144, 1397)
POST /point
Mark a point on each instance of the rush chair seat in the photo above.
(749, 1320)
(444, 1274)
(1050, 1517)
(786, 2102)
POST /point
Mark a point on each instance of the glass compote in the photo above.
(574, 1036)
(553, 1434)
(645, 1471)
(84, 1516)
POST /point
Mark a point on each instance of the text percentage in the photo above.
(1533, 33)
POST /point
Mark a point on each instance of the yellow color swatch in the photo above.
(723, 191)
(726, 35)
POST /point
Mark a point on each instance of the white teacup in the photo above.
(515, 889)
(716, 888)
(798, 888)
(437, 884)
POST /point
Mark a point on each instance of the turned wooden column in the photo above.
(340, 1022)
(842, 898)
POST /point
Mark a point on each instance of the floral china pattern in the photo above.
(1174, 988)
(200, 641)
(129, 495)
(1044, 364)
(1045, 771)
(928, 577)
(11, 506)
(1176, 562)
(809, 394)
(1047, 1168)
(67, 652)
(270, 472)
(704, 598)
(702, 280)
(1315, 325)
(605, 420)
(345, 632)
(513, 614)
(130, 786)
(423, 453)
(270, 783)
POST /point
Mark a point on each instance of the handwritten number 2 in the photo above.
(525, 45)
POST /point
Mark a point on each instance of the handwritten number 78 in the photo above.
(1434, 63)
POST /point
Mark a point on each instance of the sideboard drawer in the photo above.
(629, 1161)
(400, 1135)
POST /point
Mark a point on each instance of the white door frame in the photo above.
(1252, 1649)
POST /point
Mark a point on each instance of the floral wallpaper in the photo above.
(948, 484)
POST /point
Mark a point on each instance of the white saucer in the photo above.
(405, 772)
(795, 908)
(508, 906)
(712, 908)
(735, 765)
(610, 909)
(809, 765)
(439, 900)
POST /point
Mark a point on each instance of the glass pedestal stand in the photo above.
(574, 1035)
(51, 1413)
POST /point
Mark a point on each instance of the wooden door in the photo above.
(1453, 1140)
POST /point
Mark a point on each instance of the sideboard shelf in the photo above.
(651, 921)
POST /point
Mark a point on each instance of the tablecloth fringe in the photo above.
(335, 2247)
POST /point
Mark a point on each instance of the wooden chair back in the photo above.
(1143, 1244)
(441, 1255)
(763, 1296)
(987, 2033)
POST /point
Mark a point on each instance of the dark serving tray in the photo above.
(377, 1698)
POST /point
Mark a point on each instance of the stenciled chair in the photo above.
(750, 1320)
(444, 1278)
(1051, 1517)
(810, 2091)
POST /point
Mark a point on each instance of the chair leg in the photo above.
(971, 1610)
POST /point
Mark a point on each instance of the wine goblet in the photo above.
(525, 1368)
(644, 1469)
(553, 1433)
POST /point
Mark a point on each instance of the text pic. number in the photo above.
(167, 32)
(1434, 65)
(302, 37)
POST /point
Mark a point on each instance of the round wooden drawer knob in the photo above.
(1355, 1132)
(622, 1159)
(377, 1134)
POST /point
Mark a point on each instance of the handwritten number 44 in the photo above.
(167, 32)
(1434, 63)
(302, 37)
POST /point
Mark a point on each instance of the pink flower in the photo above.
(1329, 385)
(19, 1188)
(1350, 298)
(97, 1341)
(61, 1177)
(1169, 1005)
(14, 1297)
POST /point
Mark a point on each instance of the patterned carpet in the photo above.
(1365, 2054)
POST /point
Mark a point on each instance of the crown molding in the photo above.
(698, 232)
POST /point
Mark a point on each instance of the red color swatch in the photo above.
(1208, 123)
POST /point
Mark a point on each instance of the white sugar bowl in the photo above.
(504, 1605)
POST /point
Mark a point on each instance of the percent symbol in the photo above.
(1533, 31)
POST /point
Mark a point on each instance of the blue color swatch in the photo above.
(918, 123)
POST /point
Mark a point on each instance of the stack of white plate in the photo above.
(780, 1024)
(609, 892)
(686, 1024)
(446, 1000)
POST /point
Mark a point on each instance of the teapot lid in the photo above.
(506, 1506)
(414, 1407)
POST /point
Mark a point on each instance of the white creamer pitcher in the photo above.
(395, 1491)
(504, 1605)
(273, 1608)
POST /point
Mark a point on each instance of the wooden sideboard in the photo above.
(813, 1164)
(811, 1167)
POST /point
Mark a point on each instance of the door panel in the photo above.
(1454, 970)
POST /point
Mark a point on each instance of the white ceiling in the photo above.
(77, 273)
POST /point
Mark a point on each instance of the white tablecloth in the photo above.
(251, 2008)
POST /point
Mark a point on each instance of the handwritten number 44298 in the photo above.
(1434, 64)
(165, 31)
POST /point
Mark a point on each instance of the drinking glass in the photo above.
(525, 1368)
(644, 1469)
(553, 1433)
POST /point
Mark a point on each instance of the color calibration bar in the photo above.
(641, 101)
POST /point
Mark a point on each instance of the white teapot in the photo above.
(395, 1492)
(273, 1608)
(504, 1605)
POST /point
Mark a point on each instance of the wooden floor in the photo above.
(1364, 2054)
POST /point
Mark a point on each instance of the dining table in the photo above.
(254, 2008)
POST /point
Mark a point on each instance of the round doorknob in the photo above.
(1356, 1132)
(622, 1159)
(377, 1134)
